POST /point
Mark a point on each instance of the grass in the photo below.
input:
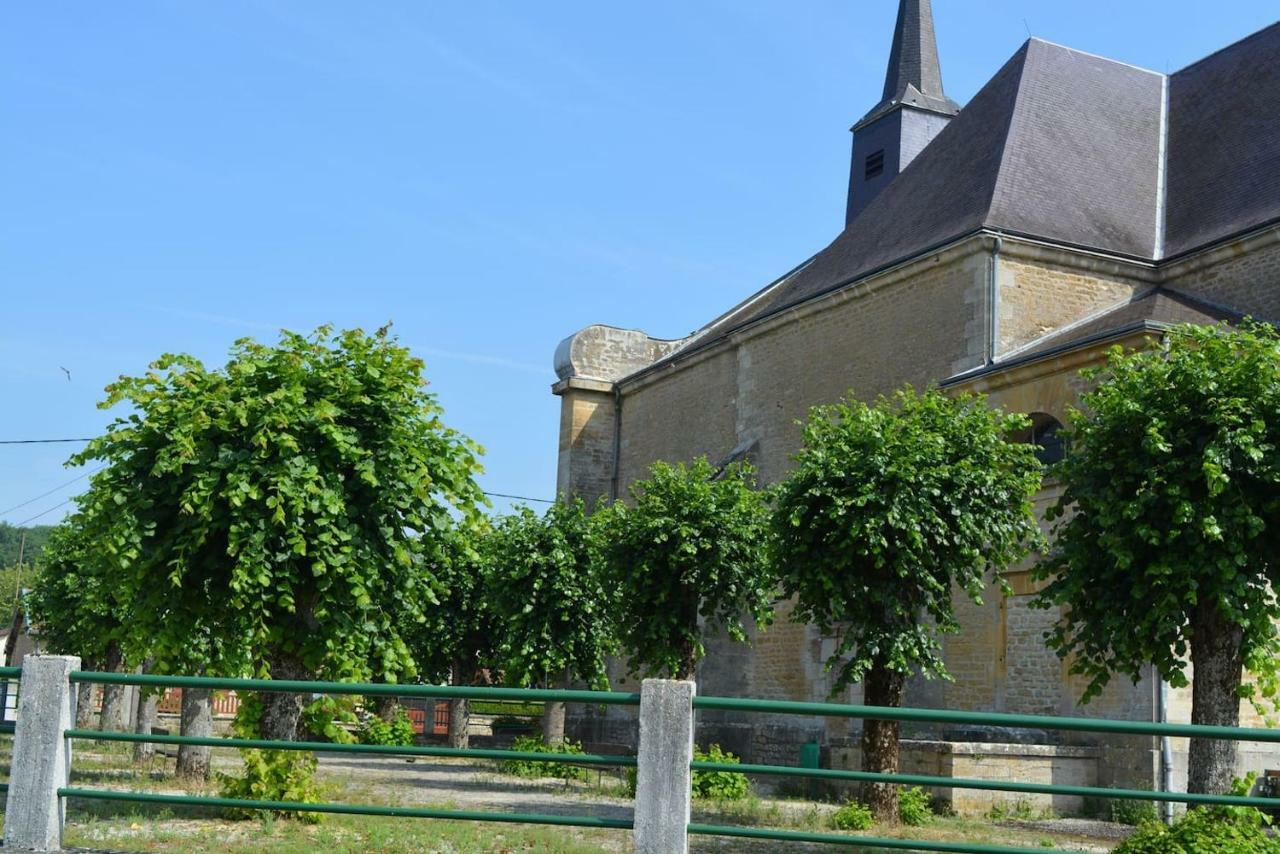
(337, 833)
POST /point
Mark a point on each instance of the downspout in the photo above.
(993, 301)
(1166, 748)
(617, 441)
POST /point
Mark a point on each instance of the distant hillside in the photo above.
(11, 541)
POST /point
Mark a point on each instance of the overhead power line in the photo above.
(86, 474)
(75, 479)
(39, 441)
(44, 513)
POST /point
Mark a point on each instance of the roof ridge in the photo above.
(998, 186)
(1208, 56)
(1110, 59)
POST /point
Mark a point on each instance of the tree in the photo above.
(553, 603)
(1168, 528)
(74, 611)
(275, 516)
(690, 551)
(890, 507)
(458, 639)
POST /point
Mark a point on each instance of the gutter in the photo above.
(1166, 749)
(993, 300)
(617, 441)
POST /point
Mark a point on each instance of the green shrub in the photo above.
(852, 816)
(722, 785)
(538, 768)
(269, 775)
(323, 719)
(1208, 830)
(274, 775)
(1136, 813)
(398, 732)
(719, 785)
(914, 807)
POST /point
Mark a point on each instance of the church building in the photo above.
(1074, 203)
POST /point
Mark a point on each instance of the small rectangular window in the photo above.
(874, 164)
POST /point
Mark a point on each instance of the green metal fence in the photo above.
(1071, 724)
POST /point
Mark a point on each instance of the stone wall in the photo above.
(1039, 293)
(1243, 275)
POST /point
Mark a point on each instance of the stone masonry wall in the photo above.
(1244, 276)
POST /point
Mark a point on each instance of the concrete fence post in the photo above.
(663, 777)
(41, 753)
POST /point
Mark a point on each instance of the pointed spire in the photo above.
(914, 76)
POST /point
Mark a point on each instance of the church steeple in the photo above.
(912, 110)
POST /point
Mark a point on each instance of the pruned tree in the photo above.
(274, 516)
(891, 507)
(553, 603)
(1168, 528)
(76, 610)
(688, 556)
(458, 639)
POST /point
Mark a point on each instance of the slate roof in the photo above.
(1224, 143)
(1066, 147)
(1156, 309)
(914, 75)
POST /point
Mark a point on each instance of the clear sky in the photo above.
(490, 176)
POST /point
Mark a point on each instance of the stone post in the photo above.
(663, 779)
(41, 753)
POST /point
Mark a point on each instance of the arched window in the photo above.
(1043, 433)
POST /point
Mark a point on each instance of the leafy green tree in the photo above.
(279, 516)
(458, 639)
(555, 607)
(1168, 528)
(75, 610)
(690, 549)
(890, 507)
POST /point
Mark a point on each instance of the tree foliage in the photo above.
(690, 548)
(550, 597)
(888, 507)
(460, 631)
(74, 605)
(1168, 527)
(1172, 497)
(281, 509)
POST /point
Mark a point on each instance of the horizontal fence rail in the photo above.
(369, 689)
(345, 809)
(992, 719)
(986, 785)
(601, 759)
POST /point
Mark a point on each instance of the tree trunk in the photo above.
(553, 723)
(1218, 666)
(388, 708)
(197, 721)
(688, 666)
(883, 687)
(84, 704)
(553, 717)
(460, 709)
(143, 751)
(113, 696)
(281, 712)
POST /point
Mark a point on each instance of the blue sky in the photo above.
(490, 176)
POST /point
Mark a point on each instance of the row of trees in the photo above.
(304, 513)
